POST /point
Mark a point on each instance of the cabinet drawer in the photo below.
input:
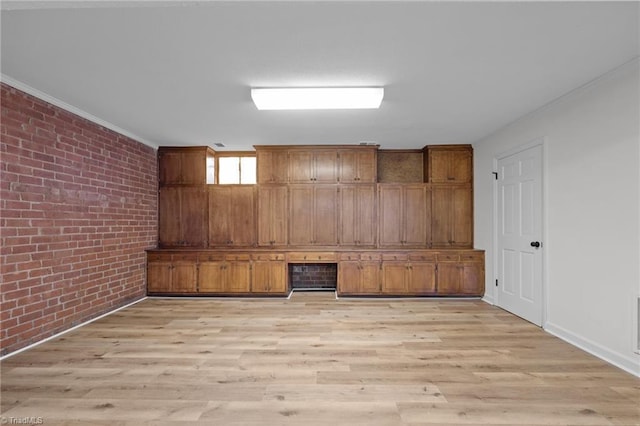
(211, 257)
(268, 256)
(472, 257)
(237, 256)
(312, 257)
(158, 257)
(370, 257)
(425, 257)
(395, 256)
(448, 257)
(349, 256)
(186, 257)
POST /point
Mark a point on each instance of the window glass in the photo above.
(229, 170)
(235, 170)
(211, 170)
(248, 170)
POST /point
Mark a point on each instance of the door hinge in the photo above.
(496, 283)
(495, 174)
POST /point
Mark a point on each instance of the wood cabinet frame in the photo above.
(317, 204)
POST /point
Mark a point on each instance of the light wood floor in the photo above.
(314, 360)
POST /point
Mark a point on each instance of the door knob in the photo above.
(535, 244)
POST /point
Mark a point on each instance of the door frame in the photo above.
(543, 143)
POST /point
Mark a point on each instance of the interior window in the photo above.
(237, 170)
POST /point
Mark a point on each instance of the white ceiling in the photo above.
(179, 73)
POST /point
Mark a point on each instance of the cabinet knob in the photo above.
(535, 244)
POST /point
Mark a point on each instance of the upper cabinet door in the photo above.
(357, 166)
(184, 166)
(313, 166)
(325, 164)
(451, 164)
(301, 168)
(273, 166)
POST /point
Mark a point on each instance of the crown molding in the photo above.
(72, 109)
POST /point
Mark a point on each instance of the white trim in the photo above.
(488, 300)
(629, 365)
(72, 109)
(542, 142)
(635, 324)
(55, 336)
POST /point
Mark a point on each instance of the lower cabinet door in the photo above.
(211, 277)
(159, 277)
(184, 277)
(448, 278)
(269, 277)
(369, 278)
(422, 278)
(348, 277)
(238, 277)
(394, 277)
(472, 279)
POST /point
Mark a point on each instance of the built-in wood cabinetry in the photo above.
(273, 215)
(399, 236)
(451, 216)
(185, 165)
(460, 273)
(449, 164)
(171, 273)
(232, 211)
(404, 215)
(219, 273)
(357, 215)
(357, 166)
(313, 219)
(367, 272)
(313, 166)
(273, 165)
(182, 216)
(269, 273)
(408, 273)
(359, 273)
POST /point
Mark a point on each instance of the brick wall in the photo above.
(78, 206)
(313, 275)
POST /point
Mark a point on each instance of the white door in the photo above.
(519, 234)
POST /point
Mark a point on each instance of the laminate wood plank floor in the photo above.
(314, 360)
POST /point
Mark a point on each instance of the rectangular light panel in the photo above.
(317, 98)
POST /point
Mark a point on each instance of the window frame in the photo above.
(237, 154)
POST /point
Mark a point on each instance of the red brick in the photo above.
(66, 183)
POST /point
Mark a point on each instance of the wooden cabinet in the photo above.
(357, 215)
(452, 216)
(359, 274)
(224, 274)
(273, 165)
(460, 274)
(404, 215)
(269, 273)
(404, 274)
(182, 216)
(167, 273)
(313, 166)
(272, 215)
(357, 165)
(449, 164)
(185, 165)
(313, 215)
(232, 216)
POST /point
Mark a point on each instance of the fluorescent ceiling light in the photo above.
(317, 98)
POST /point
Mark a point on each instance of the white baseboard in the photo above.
(33, 345)
(628, 364)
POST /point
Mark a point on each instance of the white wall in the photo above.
(591, 211)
